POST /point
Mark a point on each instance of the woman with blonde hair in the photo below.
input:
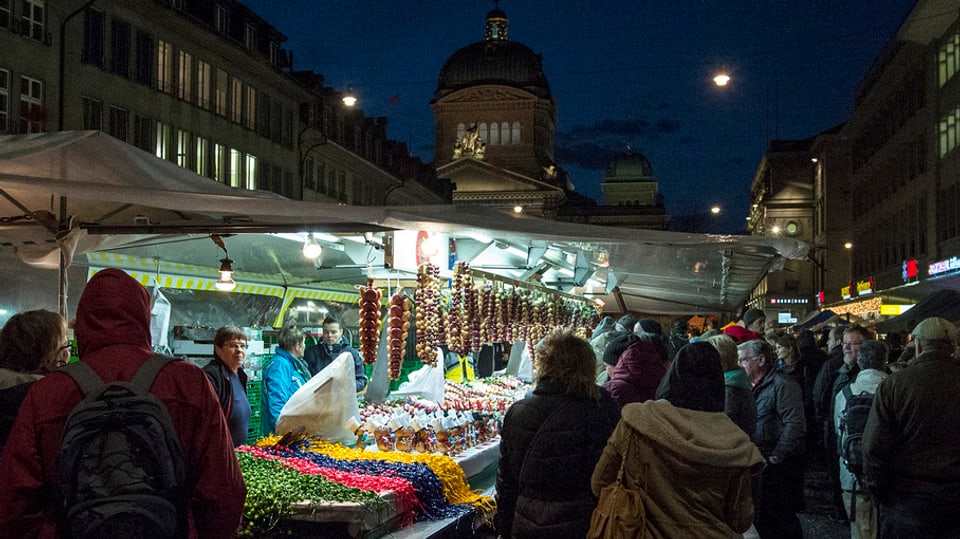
(32, 343)
(550, 442)
(739, 403)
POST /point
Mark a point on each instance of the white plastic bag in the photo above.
(325, 404)
(428, 382)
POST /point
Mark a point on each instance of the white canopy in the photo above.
(87, 192)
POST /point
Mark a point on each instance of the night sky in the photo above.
(632, 73)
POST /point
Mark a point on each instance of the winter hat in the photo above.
(751, 316)
(616, 347)
(627, 322)
(695, 379)
(935, 329)
(649, 325)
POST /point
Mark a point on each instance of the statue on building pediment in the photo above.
(470, 144)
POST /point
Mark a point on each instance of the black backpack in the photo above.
(120, 470)
(853, 420)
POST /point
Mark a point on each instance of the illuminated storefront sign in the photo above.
(944, 266)
(820, 297)
(789, 301)
(894, 310)
(865, 287)
(847, 291)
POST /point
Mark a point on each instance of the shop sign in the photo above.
(788, 301)
(846, 292)
(820, 297)
(944, 266)
(786, 318)
(909, 270)
(894, 310)
(865, 287)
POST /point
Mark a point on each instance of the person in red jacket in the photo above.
(113, 336)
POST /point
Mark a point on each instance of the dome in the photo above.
(495, 60)
(629, 166)
(500, 62)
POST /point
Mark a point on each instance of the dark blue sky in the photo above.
(635, 72)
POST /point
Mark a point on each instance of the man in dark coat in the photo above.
(229, 380)
(319, 356)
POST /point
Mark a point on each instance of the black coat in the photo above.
(543, 481)
(219, 376)
(317, 358)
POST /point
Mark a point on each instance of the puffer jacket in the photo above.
(113, 334)
(781, 425)
(543, 481)
(638, 373)
(694, 467)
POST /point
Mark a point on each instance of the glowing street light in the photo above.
(721, 78)
(847, 245)
(715, 210)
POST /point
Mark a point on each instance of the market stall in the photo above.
(419, 280)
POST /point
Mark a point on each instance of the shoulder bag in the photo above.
(620, 512)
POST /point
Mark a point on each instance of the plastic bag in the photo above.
(325, 404)
(427, 381)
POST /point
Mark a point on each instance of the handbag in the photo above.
(620, 511)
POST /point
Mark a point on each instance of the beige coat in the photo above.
(694, 466)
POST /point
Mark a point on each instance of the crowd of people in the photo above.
(716, 430)
(713, 429)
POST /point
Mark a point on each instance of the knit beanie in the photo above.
(617, 346)
(649, 325)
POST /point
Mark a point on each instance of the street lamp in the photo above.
(715, 210)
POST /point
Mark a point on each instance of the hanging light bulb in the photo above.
(311, 249)
(226, 283)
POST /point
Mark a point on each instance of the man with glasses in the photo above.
(780, 436)
(229, 381)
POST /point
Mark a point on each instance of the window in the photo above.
(236, 100)
(143, 133)
(145, 58)
(92, 114)
(183, 148)
(250, 116)
(220, 99)
(203, 84)
(235, 161)
(164, 66)
(250, 37)
(120, 48)
(948, 59)
(222, 21)
(93, 33)
(250, 173)
(494, 134)
(32, 18)
(505, 133)
(949, 129)
(202, 164)
(162, 146)
(185, 76)
(274, 53)
(117, 124)
(482, 131)
(219, 162)
(516, 133)
(33, 115)
(308, 182)
(4, 101)
(5, 14)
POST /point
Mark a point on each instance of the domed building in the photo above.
(494, 121)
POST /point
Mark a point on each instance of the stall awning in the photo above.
(86, 192)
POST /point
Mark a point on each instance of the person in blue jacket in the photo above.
(319, 356)
(285, 375)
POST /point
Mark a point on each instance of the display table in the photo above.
(369, 522)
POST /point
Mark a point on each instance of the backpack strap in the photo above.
(86, 378)
(848, 393)
(144, 378)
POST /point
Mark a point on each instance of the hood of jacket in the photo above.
(642, 361)
(114, 309)
(709, 438)
(9, 378)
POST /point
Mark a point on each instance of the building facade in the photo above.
(206, 84)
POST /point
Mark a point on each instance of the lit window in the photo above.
(164, 133)
(202, 164)
(483, 131)
(183, 148)
(203, 84)
(235, 161)
(219, 162)
(185, 76)
(33, 115)
(516, 133)
(250, 173)
(236, 100)
(164, 66)
(505, 132)
(494, 134)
